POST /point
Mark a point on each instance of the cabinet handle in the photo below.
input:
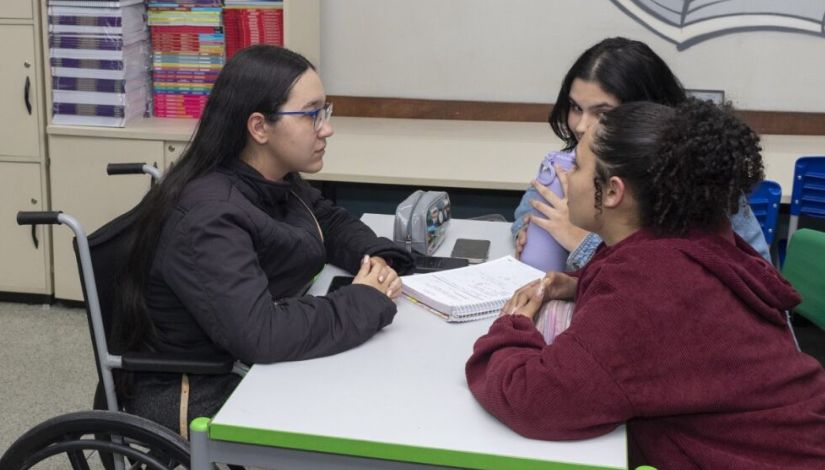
(26, 89)
(34, 237)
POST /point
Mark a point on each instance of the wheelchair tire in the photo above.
(144, 443)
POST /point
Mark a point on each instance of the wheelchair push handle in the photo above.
(134, 169)
(38, 217)
(124, 168)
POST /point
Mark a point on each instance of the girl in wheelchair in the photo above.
(232, 237)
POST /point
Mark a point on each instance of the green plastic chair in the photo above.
(805, 269)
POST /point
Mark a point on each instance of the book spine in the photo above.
(88, 84)
(112, 21)
(88, 109)
(87, 63)
(64, 42)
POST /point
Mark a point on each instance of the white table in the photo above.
(398, 401)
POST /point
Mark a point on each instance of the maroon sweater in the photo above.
(683, 339)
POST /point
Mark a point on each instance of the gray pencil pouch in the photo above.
(421, 221)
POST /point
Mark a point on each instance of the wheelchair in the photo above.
(117, 438)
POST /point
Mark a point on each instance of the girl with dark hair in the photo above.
(679, 328)
(614, 71)
(232, 237)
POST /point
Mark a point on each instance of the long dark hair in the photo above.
(627, 69)
(687, 167)
(256, 79)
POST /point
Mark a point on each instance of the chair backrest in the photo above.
(764, 202)
(108, 247)
(808, 194)
(805, 269)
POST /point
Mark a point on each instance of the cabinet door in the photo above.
(15, 9)
(172, 151)
(18, 85)
(82, 189)
(23, 252)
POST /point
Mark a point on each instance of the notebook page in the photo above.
(467, 290)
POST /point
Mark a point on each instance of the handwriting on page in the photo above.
(492, 280)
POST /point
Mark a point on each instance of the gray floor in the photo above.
(47, 366)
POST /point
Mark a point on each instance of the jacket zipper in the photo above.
(311, 214)
(320, 234)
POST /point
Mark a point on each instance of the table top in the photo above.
(400, 396)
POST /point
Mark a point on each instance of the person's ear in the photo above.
(257, 127)
(615, 191)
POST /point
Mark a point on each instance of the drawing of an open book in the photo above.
(687, 22)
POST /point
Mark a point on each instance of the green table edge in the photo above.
(378, 450)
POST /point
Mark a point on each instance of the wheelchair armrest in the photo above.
(177, 363)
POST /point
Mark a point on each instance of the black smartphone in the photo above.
(339, 281)
(428, 264)
(474, 251)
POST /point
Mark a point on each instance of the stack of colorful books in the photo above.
(250, 22)
(99, 55)
(187, 55)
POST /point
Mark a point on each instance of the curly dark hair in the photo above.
(688, 166)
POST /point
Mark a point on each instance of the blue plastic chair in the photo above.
(764, 202)
(808, 195)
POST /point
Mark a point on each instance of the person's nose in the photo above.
(584, 123)
(326, 130)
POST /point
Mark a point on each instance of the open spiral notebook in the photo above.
(470, 293)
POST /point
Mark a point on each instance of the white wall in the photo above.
(519, 50)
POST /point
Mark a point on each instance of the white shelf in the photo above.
(452, 154)
(142, 129)
(481, 154)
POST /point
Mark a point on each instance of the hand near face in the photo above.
(528, 300)
(375, 272)
(556, 220)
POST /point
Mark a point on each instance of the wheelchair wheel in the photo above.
(85, 438)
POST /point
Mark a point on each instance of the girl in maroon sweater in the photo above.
(679, 328)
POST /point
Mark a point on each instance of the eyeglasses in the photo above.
(319, 116)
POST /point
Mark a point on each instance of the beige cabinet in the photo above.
(172, 151)
(25, 253)
(17, 9)
(19, 114)
(23, 250)
(82, 189)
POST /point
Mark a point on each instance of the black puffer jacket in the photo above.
(236, 257)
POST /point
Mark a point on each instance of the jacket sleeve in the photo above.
(523, 209)
(555, 392)
(211, 265)
(347, 239)
(745, 225)
(582, 254)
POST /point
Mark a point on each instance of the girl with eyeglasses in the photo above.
(679, 329)
(232, 237)
(614, 71)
